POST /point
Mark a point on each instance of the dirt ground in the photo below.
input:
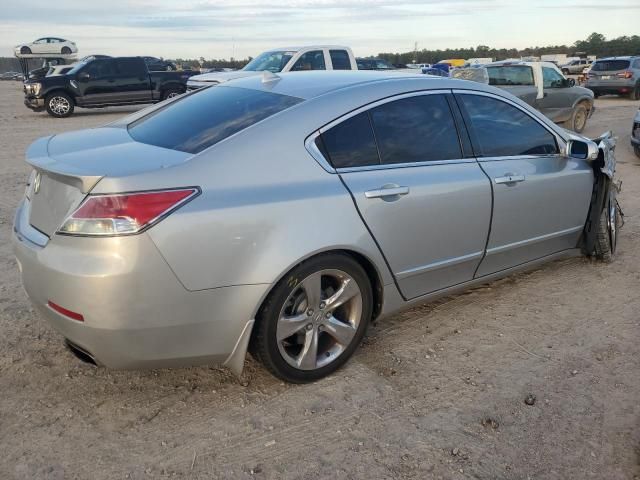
(436, 392)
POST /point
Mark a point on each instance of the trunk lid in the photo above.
(68, 166)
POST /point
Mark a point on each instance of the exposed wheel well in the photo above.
(60, 90)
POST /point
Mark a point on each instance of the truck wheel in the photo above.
(171, 93)
(607, 236)
(59, 104)
(579, 118)
(25, 51)
(65, 51)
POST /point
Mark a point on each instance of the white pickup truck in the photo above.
(292, 59)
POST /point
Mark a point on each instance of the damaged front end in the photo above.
(605, 217)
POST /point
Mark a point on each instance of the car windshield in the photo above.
(512, 75)
(195, 122)
(271, 61)
(609, 65)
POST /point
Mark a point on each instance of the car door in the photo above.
(427, 205)
(540, 197)
(557, 101)
(99, 86)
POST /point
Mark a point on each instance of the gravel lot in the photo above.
(436, 392)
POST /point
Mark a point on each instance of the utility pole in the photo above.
(415, 52)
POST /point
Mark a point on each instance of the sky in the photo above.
(241, 28)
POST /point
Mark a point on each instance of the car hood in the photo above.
(100, 152)
(223, 76)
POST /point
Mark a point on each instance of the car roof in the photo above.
(305, 47)
(312, 84)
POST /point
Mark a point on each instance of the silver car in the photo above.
(282, 214)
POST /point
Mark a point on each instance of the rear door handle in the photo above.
(387, 191)
(510, 178)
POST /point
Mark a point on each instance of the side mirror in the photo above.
(84, 77)
(581, 150)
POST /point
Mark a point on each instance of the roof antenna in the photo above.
(268, 77)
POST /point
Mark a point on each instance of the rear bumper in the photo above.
(35, 104)
(611, 86)
(136, 312)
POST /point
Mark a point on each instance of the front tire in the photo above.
(607, 235)
(59, 104)
(314, 318)
(579, 117)
(65, 51)
(25, 51)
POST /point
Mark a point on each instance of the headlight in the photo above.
(33, 88)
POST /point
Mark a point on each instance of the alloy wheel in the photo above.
(59, 105)
(319, 319)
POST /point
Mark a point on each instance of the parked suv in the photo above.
(616, 75)
(576, 66)
(635, 134)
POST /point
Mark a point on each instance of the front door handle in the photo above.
(387, 191)
(510, 178)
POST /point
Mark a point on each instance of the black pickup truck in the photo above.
(103, 82)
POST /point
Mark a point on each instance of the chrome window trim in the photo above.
(312, 148)
(560, 141)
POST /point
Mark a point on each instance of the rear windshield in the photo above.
(609, 65)
(200, 120)
(512, 75)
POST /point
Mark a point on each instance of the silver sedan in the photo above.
(281, 215)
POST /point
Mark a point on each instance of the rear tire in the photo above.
(59, 104)
(65, 51)
(171, 93)
(607, 235)
(299, 337)
(25, 51)
(579, 117)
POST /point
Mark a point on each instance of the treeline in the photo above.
(595, 44)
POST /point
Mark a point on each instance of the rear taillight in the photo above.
(624, 75)
(125, 213)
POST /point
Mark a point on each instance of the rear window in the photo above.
(515, 75)
(201, 120)
(609, 65)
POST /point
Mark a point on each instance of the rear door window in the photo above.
(313, 60)
(510, 75)
(416, 129)
(130, 67)
(610, 65)
(502, 130)
(196, 122)
(340, 59)
(350, 143)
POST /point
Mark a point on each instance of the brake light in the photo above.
(625, 74)
(124, 213)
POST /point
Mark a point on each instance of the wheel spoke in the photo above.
(342, 332)
(288, 326)
(346, 292)
(312, 286)
(308, 357)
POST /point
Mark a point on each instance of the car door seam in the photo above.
(486, 245)
(384, 257)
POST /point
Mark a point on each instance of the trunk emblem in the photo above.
(36, 183)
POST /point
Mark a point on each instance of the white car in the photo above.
(47, 45)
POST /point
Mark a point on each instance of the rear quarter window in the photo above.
(510, 76)
(198, 121)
